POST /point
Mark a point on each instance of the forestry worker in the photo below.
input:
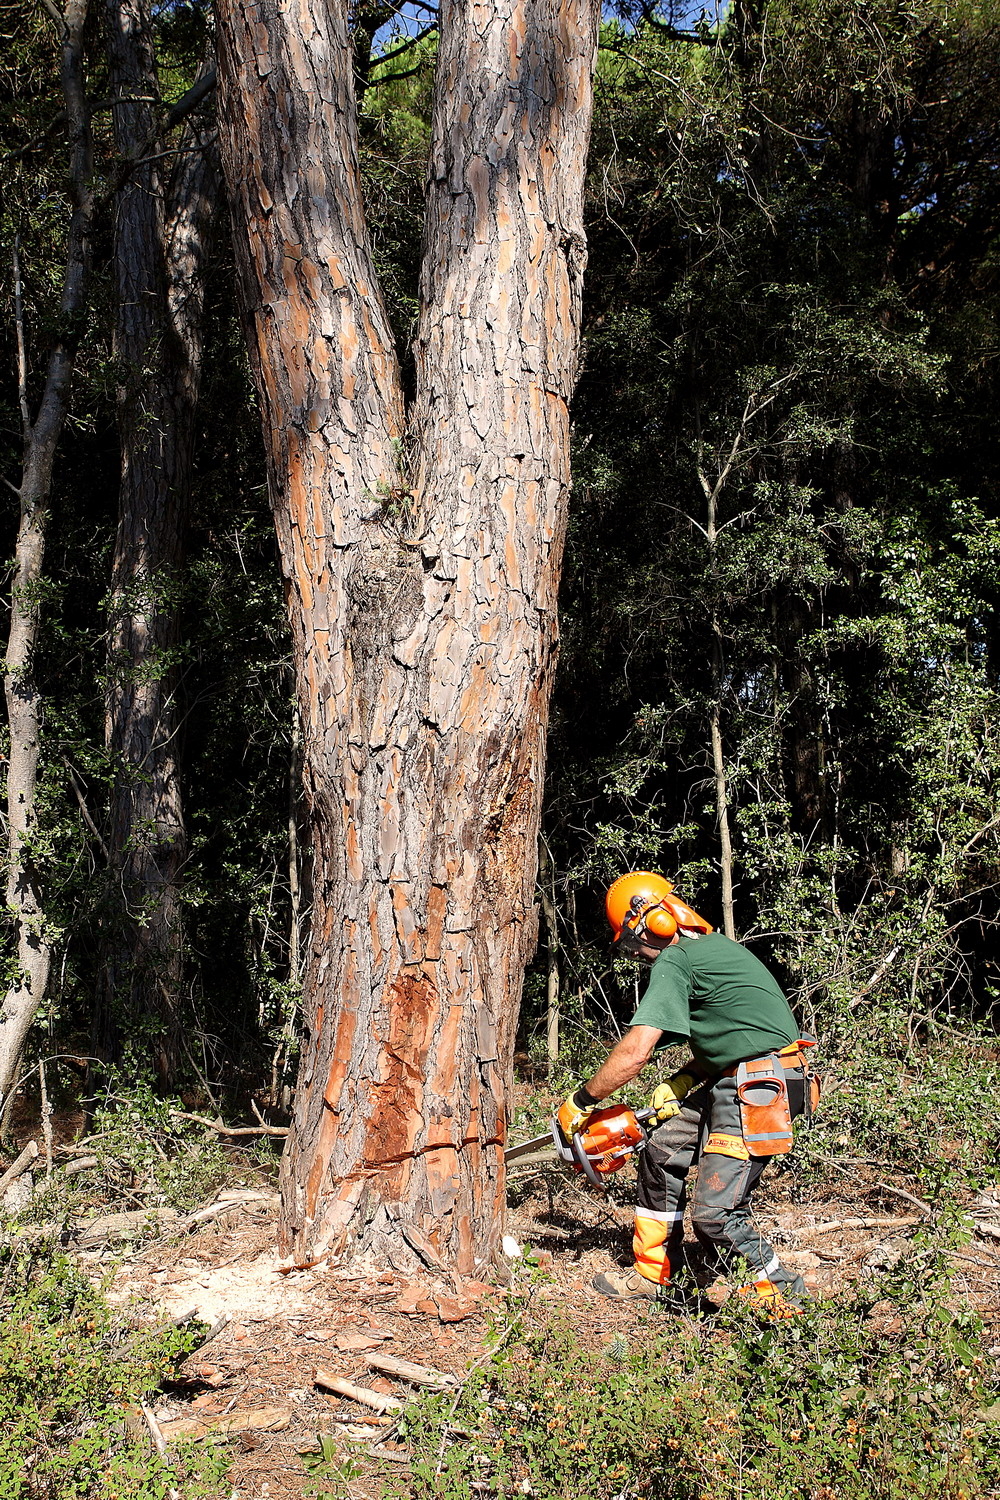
(730, 1107)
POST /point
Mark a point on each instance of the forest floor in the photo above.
(840, 1221)
(262, 1366)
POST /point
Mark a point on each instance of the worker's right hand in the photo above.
(667, 1097)
(570, 1117)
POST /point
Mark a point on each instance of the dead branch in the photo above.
(378, 1451)
(79, 1164)
(342, 1387)
(46, 1108)
(22, 342)
(20, 1165)
(887, 1187)
(405, 1369)
(261, 1419)
(234, 1130)
(125, 1226)
(85, 811)
(834, 1224)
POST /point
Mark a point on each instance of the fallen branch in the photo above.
(405, 1369)
(156, 1433)
(262, 1419)
(887, 1187)
(342, 1387)
(234, 1130)
(19, 1165)
(402, 1457)
(125, 1226)
(985, 1265)
(349, 1418)
(547, 1232)
(79, 1164)
(834, 1224)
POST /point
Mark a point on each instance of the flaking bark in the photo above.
(422, 558)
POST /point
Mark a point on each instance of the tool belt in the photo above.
(762, 1093)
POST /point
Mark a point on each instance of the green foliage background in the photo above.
(792, 296)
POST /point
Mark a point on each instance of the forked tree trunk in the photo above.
(422, 559)
(25, 904)
(162, 226)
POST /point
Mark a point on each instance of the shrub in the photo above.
(71, 1371)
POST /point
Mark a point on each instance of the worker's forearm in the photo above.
(624, 1062)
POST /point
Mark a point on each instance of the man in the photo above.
(709, 991)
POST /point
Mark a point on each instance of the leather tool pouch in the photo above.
(764, 1110)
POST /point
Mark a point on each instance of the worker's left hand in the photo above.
(570, 1117)
(667, 1097)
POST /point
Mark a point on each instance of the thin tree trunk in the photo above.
(721, 798)
(423, 563)
(24, 705)
(546, 889)
(715, 730)
(162, 230)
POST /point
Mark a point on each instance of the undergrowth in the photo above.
(884, 1394)
(72, 1372)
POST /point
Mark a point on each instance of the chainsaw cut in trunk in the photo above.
(422, 552)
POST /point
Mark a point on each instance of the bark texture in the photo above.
(162, 226)
(422, 558)
(25, 905)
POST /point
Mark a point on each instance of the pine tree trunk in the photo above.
(25, 904)
(161, 239)
(423, 561)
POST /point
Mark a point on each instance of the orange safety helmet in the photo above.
(642, 906)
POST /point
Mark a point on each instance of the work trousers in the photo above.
(708, 1129)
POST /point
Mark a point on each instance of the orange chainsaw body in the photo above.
(610, 1138)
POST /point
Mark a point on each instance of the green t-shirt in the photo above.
(711, 991)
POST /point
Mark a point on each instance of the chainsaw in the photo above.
(610, 1137)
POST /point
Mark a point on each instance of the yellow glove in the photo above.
(571, 1117)
(667, 1096)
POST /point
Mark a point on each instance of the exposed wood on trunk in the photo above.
(423, 562)
(162, 230)
(23, 700)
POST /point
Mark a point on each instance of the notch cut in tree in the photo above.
(422, 552)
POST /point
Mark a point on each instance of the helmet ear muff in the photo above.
(660, 923)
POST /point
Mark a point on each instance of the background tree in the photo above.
(26, 900)
(163, 218)
(766, 228)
